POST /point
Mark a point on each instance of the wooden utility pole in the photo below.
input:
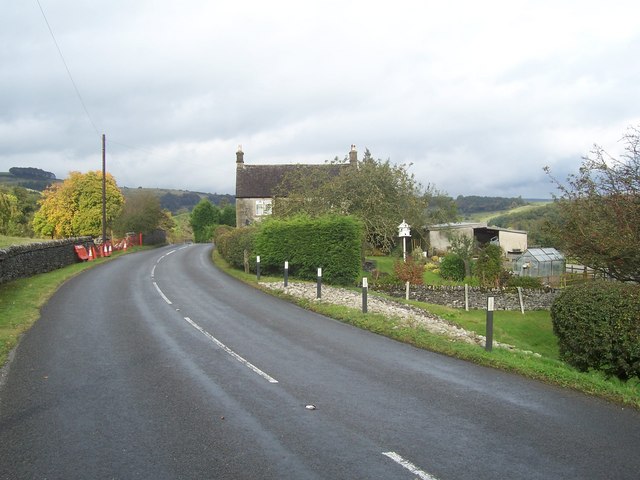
(104, 191)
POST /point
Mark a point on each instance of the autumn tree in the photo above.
(599, 211)
(74, 207)
(141, 213)
(381, 194)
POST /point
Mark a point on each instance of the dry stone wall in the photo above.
(504, 298)
(21, 261)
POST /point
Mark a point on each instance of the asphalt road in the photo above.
(158, 366)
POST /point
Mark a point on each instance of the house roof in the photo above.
(261, 181)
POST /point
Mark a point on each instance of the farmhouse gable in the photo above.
(256, 185)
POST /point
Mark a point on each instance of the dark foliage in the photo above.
(31, 173)
(598, 327)
(524, 282)
(188, 200)
(452, 267)
(234, 243)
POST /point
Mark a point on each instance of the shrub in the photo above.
(524, 282)
(409, 271)
(598, 327)
(331, 242)
(452, 267)
(232, 243)
(383, 282)
(488, 266)
(220, 230)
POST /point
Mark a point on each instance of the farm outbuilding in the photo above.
(540, 262)
(512, 242)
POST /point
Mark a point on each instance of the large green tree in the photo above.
(9, 213)
(204, 218)
(17, 206)
(599, 211)
(74, 207)
(381, 194)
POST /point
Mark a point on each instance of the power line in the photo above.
(75, 87)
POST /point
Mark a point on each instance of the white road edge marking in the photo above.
(246, 363)
(409, 466)
(162, 294)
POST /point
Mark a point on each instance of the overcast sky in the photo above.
(478, 96)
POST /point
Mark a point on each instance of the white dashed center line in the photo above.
(230, 352)
(245, 362)
(409, 466)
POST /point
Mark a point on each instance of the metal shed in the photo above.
(540, 262)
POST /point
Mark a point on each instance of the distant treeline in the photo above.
(31, 173)
(27, 177)
(186, 201)
(475, 204)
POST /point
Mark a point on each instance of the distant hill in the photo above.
(535, 219)
(475, 204)
(180, 201)
(27, 177)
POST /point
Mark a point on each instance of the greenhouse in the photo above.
(540, 262)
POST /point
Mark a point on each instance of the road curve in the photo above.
(156, 365)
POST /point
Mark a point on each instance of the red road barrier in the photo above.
(81, 252)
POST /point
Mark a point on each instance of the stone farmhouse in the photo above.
(256, 185)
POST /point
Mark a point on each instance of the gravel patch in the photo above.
(406, 314)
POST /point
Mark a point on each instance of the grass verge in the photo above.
(21, 300)
(546, 368)
(6, 241)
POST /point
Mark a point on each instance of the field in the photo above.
(487, 216)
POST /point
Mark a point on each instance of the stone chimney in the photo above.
(239, 157)
(353, 156)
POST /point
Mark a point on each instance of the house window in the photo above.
(263, 207)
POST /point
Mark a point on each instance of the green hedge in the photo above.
(331, 242)
(598, 327)
(231, 243)
(524, 282)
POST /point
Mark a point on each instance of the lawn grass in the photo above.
(532, 331)
(384, 264)
(21, 300)
(6, 241)
(528, 333)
